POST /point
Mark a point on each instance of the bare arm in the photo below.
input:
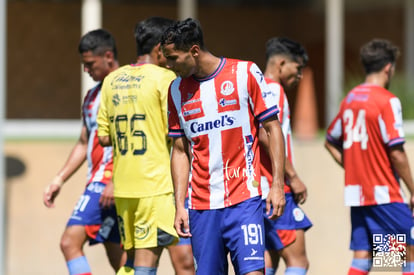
(180, 169)
(73, 163)
(105, 141)
(299, 190)
(335, 152)
(276, 151)
(298, 187)
(399, 160)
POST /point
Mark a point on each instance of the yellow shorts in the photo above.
(146, 222)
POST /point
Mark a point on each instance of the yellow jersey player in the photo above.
(133, 119)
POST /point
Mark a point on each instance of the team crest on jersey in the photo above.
(227, 88)
(141, 231)
(116, 99)
(298, 214)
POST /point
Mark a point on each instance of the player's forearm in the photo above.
(180, 168)
(74, 161)
(276, 151)
(335, 153)
(289, 169)
(400, 163)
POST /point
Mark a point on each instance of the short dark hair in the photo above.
(148, 33)
(184, 34)
(376, 54)
(98, 42)
(286, 46)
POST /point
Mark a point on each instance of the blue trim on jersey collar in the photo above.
(215, 73)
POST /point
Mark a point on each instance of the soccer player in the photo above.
(181, 254)
(285, 236)
(94, 216)
(366, 138)
(133, 119)
(215, 106)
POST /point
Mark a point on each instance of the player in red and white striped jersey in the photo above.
(216, 106)
(285, 237)
(94, 216)
(366, 138)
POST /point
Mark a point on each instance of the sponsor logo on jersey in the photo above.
(126, 78)
(191, 112)
(356, 97)
(227, 88)
(249, 155)
(116, 100)
(223, 102)
(198, 127)
(268, 93)
(260, 75)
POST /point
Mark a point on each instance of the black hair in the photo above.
(286, 46)
(184, 34)
(376, 54)
(148, 33)
(98, 42)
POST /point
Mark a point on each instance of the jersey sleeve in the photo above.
(391, 123)
(262, 99)
(334, 134)
(102, 118)
(174, 100)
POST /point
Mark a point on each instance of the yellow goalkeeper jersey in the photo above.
(133, 113)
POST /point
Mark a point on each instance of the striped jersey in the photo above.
(284, 118)
(368, 123)
(99, 158)
(219, 115)
(133, 113)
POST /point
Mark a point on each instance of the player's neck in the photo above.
(272, 75)
(144, 59)
(376, 79)
(207, 64)
(114, 66)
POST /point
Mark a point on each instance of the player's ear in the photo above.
(195, 50)
(388, 67)
(109, 55)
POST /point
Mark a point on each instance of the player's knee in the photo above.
(66, 243)
(187, 262)
(298, 261)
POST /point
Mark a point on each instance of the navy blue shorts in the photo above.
(282, 231)
(238, 230)
(100, 224)
(370, 224)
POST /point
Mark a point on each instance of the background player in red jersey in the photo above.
(285, 236)
(215, 106)
(94, 217)
(366, 138)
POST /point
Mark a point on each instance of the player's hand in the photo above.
(276, 199)
(299, 190)
(181, 223)
(51, 192)
(107, 197)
